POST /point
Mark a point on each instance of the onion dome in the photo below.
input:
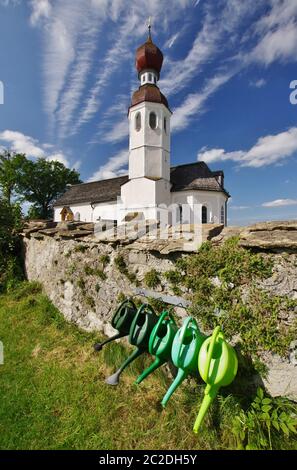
(149, 93)
(149, 56)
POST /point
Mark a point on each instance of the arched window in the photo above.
(153, 120)
(138, 121)
(222, 215)
(165, 125)
(150, 77)
(204, 215)
(155, 80)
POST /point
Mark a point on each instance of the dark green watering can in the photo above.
(217, 363)
(140, 331)
(121, 321)
(160, 343)
(185, 349)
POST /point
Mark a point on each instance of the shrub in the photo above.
(152, 279)
(105, 260)
(267, 423)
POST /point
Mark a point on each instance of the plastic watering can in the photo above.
(217, 363)
(185, 349)
(160, 343)
(121, 321)
(139, 334)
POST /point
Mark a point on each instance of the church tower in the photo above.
(149, 144)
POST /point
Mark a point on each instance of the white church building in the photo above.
(153, 189)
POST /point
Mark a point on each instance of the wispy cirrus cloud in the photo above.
(41, 9)
(115, 166)
(268, 150)
(21, 143)
(276, 32)
(194, 104)
(280, 203)
(260, 83)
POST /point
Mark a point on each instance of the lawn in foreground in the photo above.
(53, 394)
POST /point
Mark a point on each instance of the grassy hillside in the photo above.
(53, 394)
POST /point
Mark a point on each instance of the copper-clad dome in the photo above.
(149, 56)
(148, 93)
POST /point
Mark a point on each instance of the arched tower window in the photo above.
(153, 120)
(222, 215)
(204, 215)
(165, 125)
(138, 121)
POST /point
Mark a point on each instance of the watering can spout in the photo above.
(181, 375)
(209, 395)
(115, 378)
(99, 346)
(155, 365)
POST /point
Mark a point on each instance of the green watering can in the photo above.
(140, 331)
(217, 363)
(121, 321)
(160, 343)
(185, 349)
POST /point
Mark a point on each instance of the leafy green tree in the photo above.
(10, 243)
(41, 182)
(10, 167)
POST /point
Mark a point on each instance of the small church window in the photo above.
(150, 77)
(138, 121)
(204, 215)
(155, 80)
(153, 120)
(165, 125)
(222, 215)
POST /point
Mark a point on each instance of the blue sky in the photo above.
(67, 68)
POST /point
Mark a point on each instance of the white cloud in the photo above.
(117, 133)
(268, 150)
(41, 9)
(280, 203)
(279, 45)
(115, 166)
(169, 43)
(21, 143)
(194, 104)
(277, 33)
(260, 83)
(216, 29)
(72, 94)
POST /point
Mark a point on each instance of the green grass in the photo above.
(53, 394)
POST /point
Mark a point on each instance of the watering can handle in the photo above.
(183, 333)
(126, 301)
(162, 316)
(144, 307)
(214, 337)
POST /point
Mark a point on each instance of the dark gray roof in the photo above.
(196, 176)
(183, 177)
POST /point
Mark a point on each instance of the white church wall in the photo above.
(149, 148)
(83, 212)
(213, 200)
(87, 213)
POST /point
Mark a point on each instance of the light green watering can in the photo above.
(217, 364)
(185, 349)
(160, 343)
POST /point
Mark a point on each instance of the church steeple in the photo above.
(149, 142)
